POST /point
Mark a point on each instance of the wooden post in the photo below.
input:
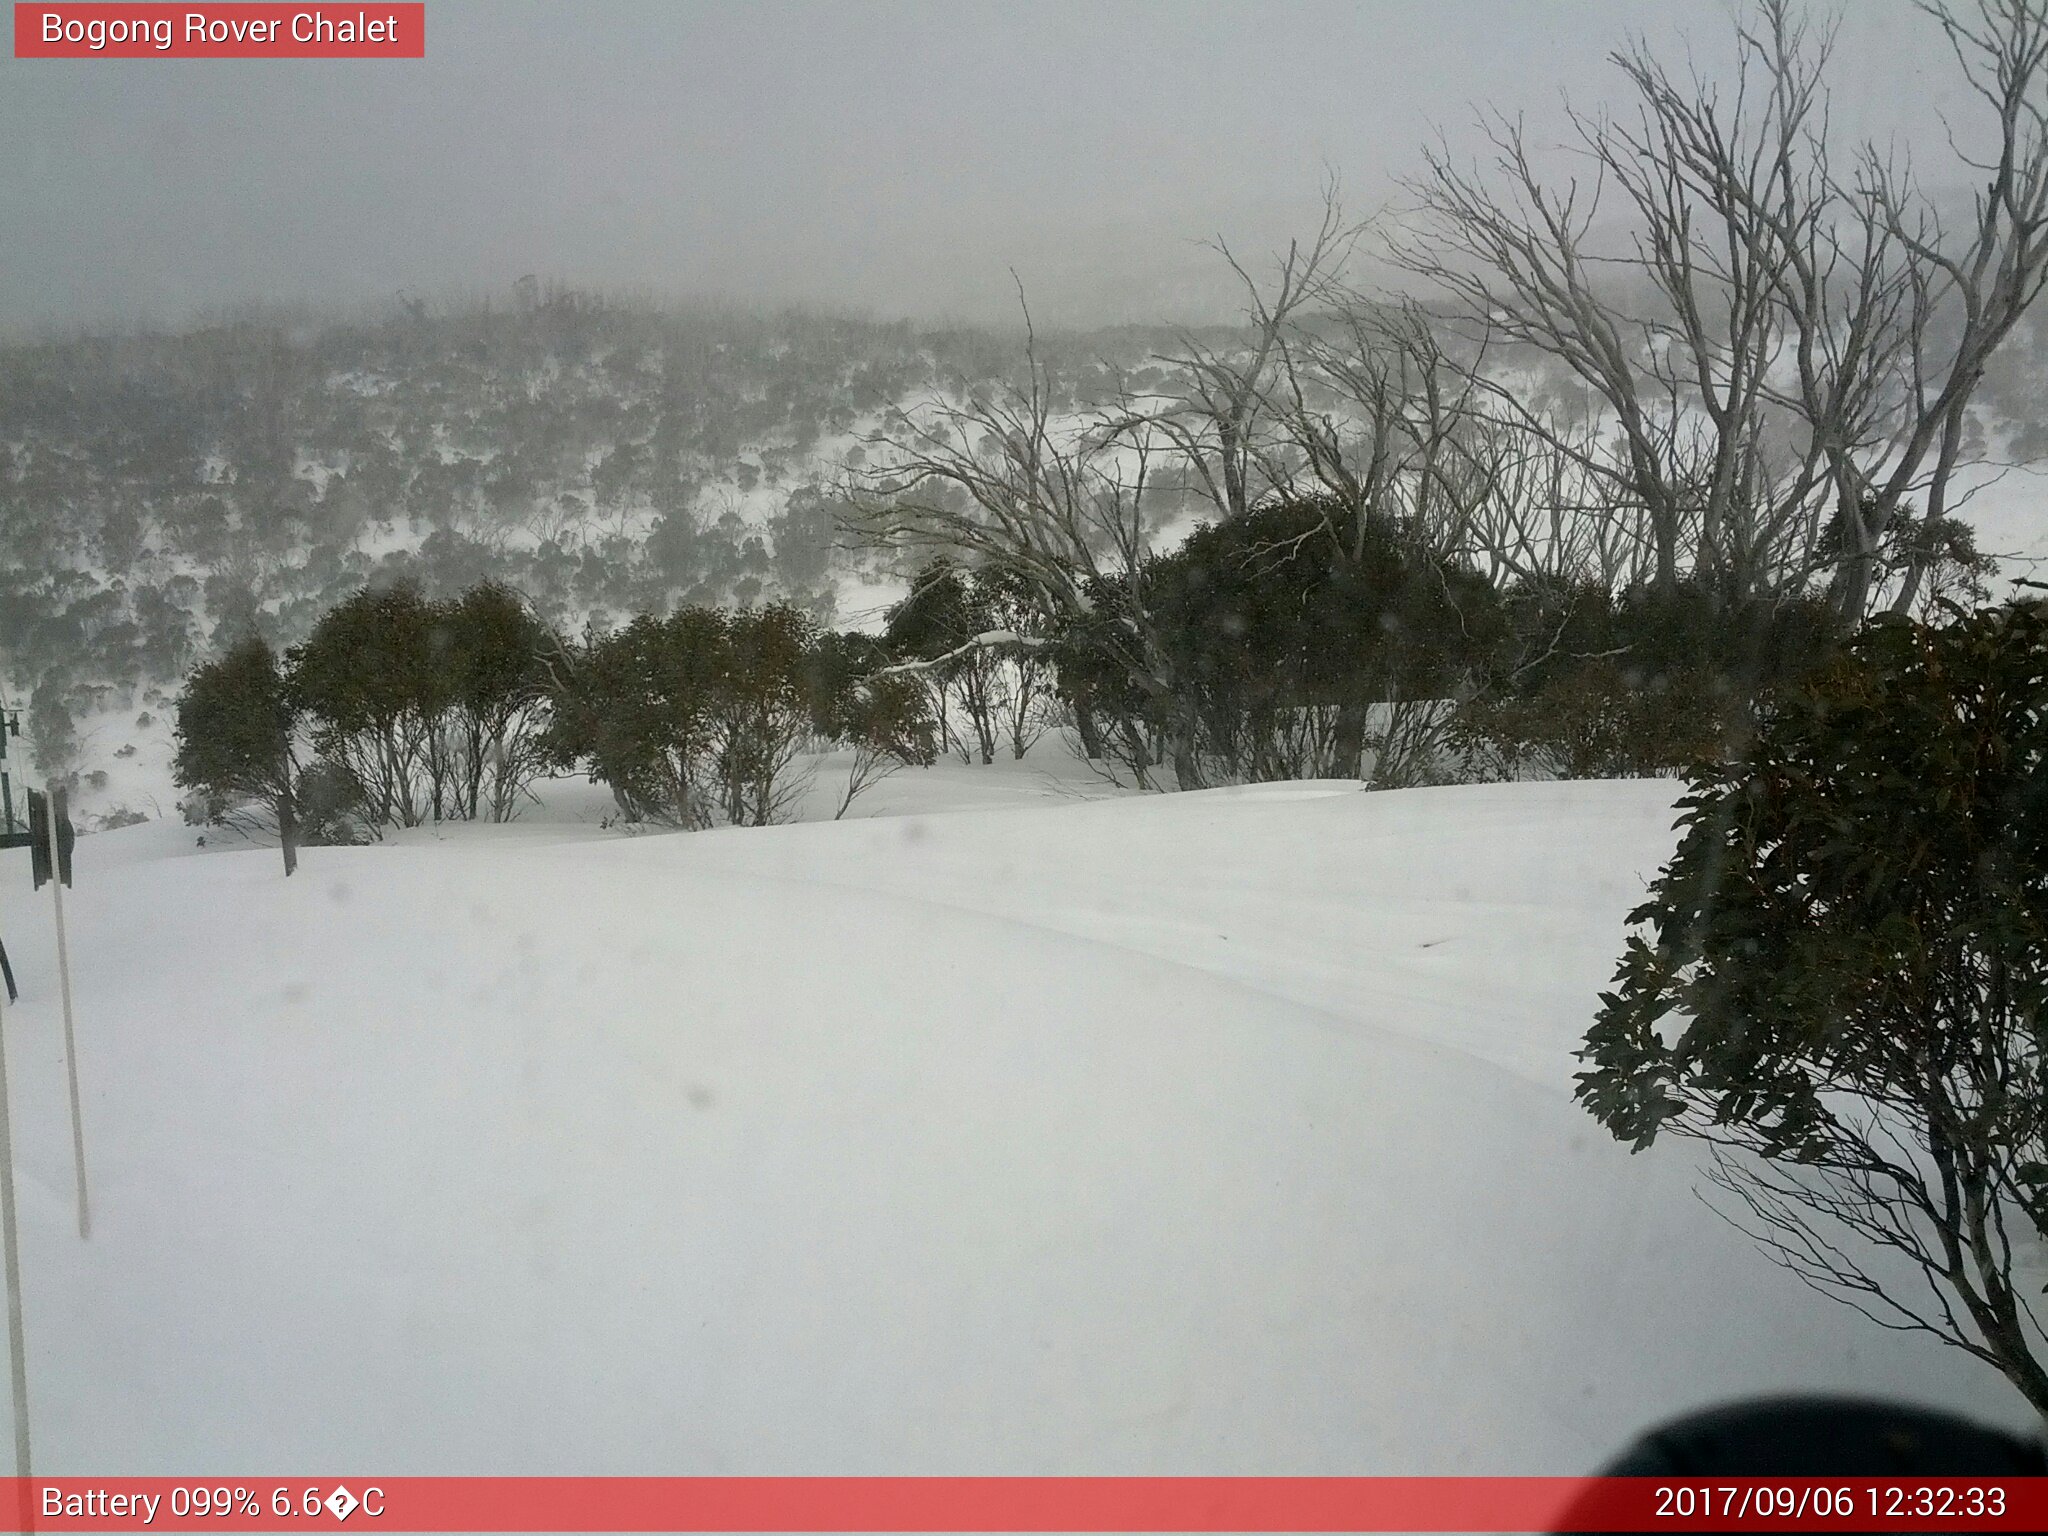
(64, 992)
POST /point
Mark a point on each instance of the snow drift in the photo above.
(1222, 1133)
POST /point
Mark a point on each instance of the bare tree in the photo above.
(1347, 408)
(1387, 430)
(1057, 504)
(871, 764)
(1538, 516)
(1766, 341)
(1990, 275)
(1219, 420)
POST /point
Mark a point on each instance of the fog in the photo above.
(894, 158)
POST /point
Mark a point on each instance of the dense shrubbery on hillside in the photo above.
(1377, 658)
(1290, 625)
(160, 492)
(164, 495)
(396, 710)
(429, 711)
(1607, 685)
(399, 710)
(1303, 640)
(704, 718)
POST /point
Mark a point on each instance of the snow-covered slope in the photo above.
(1226, 1132)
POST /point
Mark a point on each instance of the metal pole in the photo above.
(17, 1350)
(64, 991)
(10, 1250)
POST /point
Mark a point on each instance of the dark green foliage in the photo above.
(1286, 626)
(1589, 685)
(937, 615)
(432, 708)
(373, 683)
(889, 718)
(332, 812)
(838, 664)
(947, 609)
(854, 700)
(704, 717)
(1846, 967)
(635, 708)
(51, 729)
(1596, 721)
(762, 712)
(1954, 568)
(235, 732)
(490, 646)
(417, 709)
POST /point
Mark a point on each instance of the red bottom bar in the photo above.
(1008, 1504)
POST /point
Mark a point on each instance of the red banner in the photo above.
(101, 31)
(1024, 1504)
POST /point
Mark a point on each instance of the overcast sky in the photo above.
(895, 156)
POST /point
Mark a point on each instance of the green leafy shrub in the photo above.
(236, 728)
(707, 718)
(1589, 685)
(1844, 983)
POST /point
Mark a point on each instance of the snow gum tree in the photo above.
(634, 706)
(490, 645)
(1843, 985)
(975, 631)
(706, 717)
(883, 714)
(235, 730)
(431, 709)
(1058, 506)
(370, 679)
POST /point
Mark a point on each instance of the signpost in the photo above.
(10, 1242)
(51, 837)
(59, 826)
(50, 842)
(12, 833)
(11, 836)
(39, 823)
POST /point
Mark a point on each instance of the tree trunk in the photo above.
(1187, 764)
(1090, 731)
(1134, 746)
(1347, 743)
(1861, 527)
(1849, 593)
(1937, 508)
(288, 831)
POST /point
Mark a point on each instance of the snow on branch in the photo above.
(986, 641)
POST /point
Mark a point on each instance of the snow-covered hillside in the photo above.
(1223, 1132)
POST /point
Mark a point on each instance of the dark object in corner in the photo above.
(1824, 1437)
(39, 846)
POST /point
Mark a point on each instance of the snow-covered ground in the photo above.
(1226, 1132)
